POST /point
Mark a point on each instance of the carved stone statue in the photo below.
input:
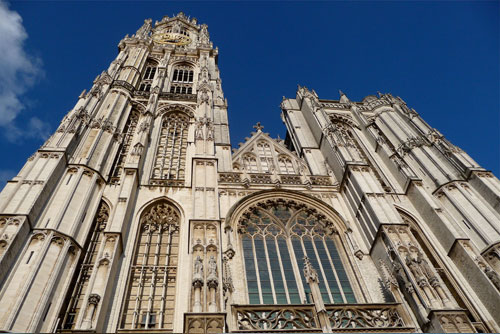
(212, 269)
(493, 276)
(198, 270)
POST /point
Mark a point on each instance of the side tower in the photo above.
(428, 214)
(96, 225)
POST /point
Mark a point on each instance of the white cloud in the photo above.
(18, 72)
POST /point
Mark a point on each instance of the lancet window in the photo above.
(75, 299)
(250, 163)
(148, 76)
(128, 134)
(265, 156)
(150, 295)
(170, 158)
(276, 236)
(286, 165)
(182, 80)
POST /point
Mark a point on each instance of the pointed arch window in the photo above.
(148, 76)
(286, 165)
(182, 80)
(170, 158)
(150, 294)
(276, 236)
(128, 134)
(265, 156)
(250, 163)
(76, 293)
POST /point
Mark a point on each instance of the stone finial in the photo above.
(309, 272)
(258, 127)
(343, 97)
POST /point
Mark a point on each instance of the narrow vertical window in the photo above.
(148, 76)
(124, 149)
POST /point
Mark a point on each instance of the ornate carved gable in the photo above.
(263, 154)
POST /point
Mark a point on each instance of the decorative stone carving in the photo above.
(428, 283)
(94, 299)
(309, 272)
(203, 36)
(212, 279)
(198, 272)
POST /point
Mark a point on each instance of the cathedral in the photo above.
(136, 215)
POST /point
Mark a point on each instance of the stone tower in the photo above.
(135, 215)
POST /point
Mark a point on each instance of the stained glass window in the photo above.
(276, 236)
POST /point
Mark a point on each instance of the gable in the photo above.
(263, 154)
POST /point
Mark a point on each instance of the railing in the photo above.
(262, 178)
(179, 97)
(363, 317)
(270, 318)
(389, 317)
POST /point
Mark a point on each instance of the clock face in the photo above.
(171, 38)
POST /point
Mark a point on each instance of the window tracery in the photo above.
(170, 158)
(150, 297)
(128, 132)
(276, 235)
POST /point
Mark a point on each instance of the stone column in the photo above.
(93, 301)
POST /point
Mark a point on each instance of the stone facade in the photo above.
(135, 215)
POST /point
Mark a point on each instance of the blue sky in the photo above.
(441, 57)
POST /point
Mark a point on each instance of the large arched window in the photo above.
(170, 158)
(276, 236)
(150, 294)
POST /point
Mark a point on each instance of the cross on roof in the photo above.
(258, 127)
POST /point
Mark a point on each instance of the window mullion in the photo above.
(299, 276)
(322, 271)
(283, 277)
(257, 270)
(165, 139)
(271, 280)
(172, 151)
(334, 272)
(181, 139)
